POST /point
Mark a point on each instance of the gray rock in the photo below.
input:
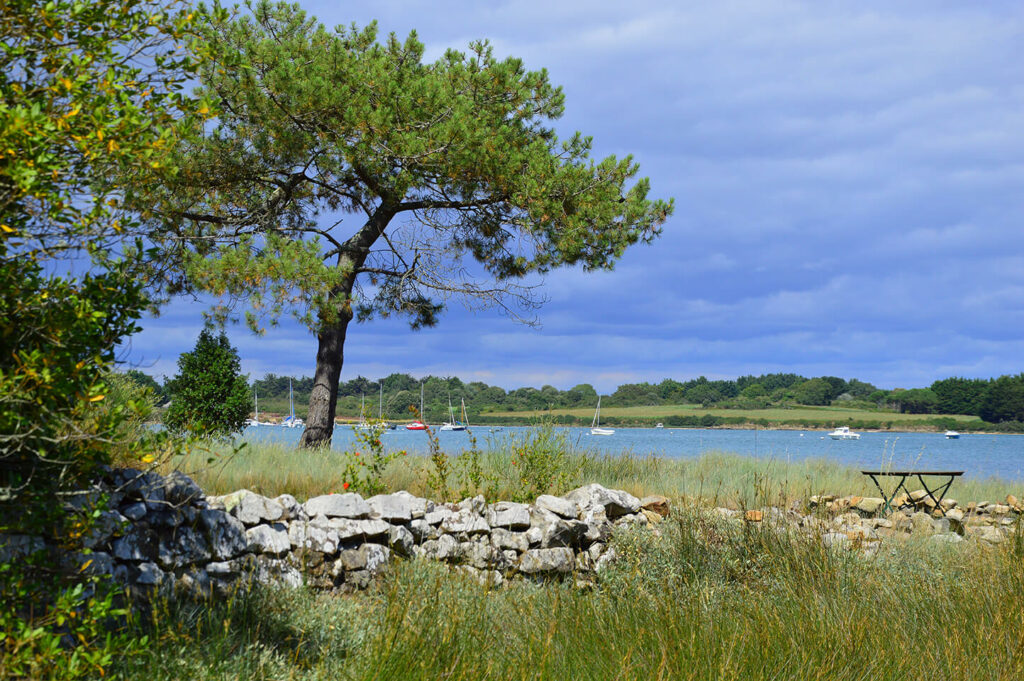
(137, 544)
(272, 539)
(508, 514)
(401, 541)
(276, 571)
(615, 502)
(179, 489)
(565, 508)
(506, 539)
(305, 535)
(149, 574)
(948, 538)
(541, 561)
(148, 486)
(134, 511)
(252, 508)
(292, 508)
(106, 525)
(370, 557)
(417, 506)
(438, 515)
(338, 506)
(363, 529)
(196, 584)
(391, 507)
(225, 534)
(93, 564)
(467, 522)
(482, 556)
(445, 547)
(185, 546)
(476, 504)
(989, 534)
(835, 540)
(422, 530)
(606, 559)
(166, 518)
(534, 535)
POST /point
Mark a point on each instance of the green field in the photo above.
(802, 413)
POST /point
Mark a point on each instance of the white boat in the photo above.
(418, 425)
(362, 425)
(255, 422)
(595, 426)
(844, 433)
(292, 421)
(452, 423)
(952, 435)
(660, 425)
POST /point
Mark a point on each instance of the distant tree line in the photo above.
(997, 400)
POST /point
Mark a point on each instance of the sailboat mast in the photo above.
(291, 400)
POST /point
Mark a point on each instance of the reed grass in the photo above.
(716, 478)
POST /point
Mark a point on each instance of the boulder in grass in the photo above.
(546, 561)
(656, 503)
(869, 505)
(566, 508)
(615, 502)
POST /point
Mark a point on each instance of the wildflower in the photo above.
(345, 486)
(357, 453)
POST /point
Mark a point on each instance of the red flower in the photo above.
(357, 453)
(345, 486)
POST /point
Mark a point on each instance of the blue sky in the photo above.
(849, 185)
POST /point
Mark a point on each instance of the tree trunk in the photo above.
(323, 401)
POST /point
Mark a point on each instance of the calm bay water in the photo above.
(979, 456)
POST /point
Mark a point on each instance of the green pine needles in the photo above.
(344, 178)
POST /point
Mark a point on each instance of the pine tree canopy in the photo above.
(343, 177)
(334, 155)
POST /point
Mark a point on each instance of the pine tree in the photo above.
(344, 178)
(209, 395)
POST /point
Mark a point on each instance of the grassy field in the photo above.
(716, 478)
(704, 599)
(803, 413)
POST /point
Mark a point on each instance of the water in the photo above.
(979, 456)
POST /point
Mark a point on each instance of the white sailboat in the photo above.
(418, 425)
(380, 411)
(362, 425)
(292, 421)
(595, 426)
(452, 423)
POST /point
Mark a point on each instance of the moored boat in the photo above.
(844, 433)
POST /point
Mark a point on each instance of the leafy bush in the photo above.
(210, 396)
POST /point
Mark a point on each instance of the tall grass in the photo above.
(717, 478)
(706, 600)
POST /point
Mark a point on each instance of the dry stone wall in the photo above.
(164, 533)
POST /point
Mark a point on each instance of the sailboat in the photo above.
(418, 425)
(595, 426)
(254, 422)
(452, 423)
(380, 411)
(362, 425)
(292, 421)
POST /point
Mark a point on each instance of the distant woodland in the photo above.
(995, 401)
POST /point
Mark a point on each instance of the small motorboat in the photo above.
(952, 435)
(844, 433)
